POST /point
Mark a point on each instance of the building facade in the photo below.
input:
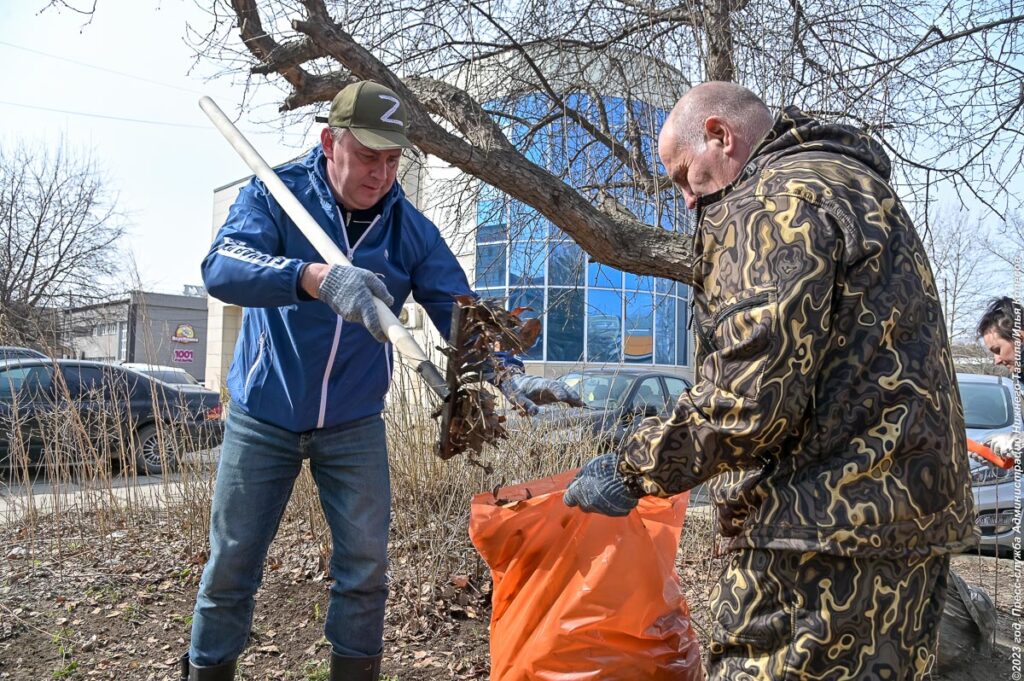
(592, 315)
(144, 327)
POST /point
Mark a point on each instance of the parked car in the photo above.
(118, 409)
(13, 352)
(176, 376)
(988, 410)
(616, 400)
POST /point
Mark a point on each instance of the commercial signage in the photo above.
(185, 333)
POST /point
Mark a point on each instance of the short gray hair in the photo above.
(730, 101)
(338, 134)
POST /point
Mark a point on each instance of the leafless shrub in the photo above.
(85, 482)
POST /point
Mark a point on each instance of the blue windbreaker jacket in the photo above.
(298, 365)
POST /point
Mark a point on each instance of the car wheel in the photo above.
(150, 458)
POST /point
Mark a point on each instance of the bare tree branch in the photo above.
(940, 83)
(59, 230)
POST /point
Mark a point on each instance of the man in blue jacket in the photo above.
(309, 376)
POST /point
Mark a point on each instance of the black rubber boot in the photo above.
(345, 668)
(225, 671)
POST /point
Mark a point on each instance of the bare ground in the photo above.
(119, 606)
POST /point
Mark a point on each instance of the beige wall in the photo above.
(223, 321)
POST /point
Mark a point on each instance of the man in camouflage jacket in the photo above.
(826, 416)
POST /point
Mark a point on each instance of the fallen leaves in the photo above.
(122, 609)
(469, 417)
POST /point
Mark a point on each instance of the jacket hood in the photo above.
(795, 132)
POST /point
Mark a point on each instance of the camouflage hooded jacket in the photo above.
(826, 402)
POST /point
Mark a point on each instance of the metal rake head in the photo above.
(480, 328)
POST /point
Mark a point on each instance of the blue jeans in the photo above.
(257, 470)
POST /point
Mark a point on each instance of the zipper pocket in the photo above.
(733, 308)
(708, 343)
(256, 363)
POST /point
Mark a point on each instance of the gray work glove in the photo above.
(1006, 445)
(350, 291)
(598, 488)
(529, 391)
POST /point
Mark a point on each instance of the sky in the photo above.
(66, 78)
(133, 62)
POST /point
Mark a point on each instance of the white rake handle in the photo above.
(328, 250)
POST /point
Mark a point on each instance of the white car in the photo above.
(988, 411)
(175, 376)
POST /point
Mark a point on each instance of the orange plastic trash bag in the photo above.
(580, 596)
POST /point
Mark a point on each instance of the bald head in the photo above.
(709, 135)
(734, 104)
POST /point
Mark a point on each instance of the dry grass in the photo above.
(89, 496)
(90, 490)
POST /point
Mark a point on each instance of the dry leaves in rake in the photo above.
(480, 328)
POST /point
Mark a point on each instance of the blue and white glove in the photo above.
(350, 291)
(530, 391)
(598, 488)
(1006, 445)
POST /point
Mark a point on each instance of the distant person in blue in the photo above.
(309, 375)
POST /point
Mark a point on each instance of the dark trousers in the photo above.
(789, 615)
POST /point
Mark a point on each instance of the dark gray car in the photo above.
(116, 409)
(617, 400)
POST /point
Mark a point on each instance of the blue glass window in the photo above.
(638, 345)
(665, 334)
(565, 325)
(492, 210)
(526, 266)
(604, 326)
(635, 282)
(593, 312)
(682, 338)
(491, 233)
(490, 265)
(491, 217)
(498, 293)
(526, 224)
(565, 263)
(604, 276)
(675, 216)
(532, 298)
(666, 286)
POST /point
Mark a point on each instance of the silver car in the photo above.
(988, 411)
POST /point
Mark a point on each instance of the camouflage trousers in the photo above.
(788, 615)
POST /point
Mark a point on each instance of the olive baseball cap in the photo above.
(372, 112)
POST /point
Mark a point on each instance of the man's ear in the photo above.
(716, 128)
(327, 142)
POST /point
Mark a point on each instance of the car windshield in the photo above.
(21, 379)
(11, 380)
(599, 391)
(986, 405)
